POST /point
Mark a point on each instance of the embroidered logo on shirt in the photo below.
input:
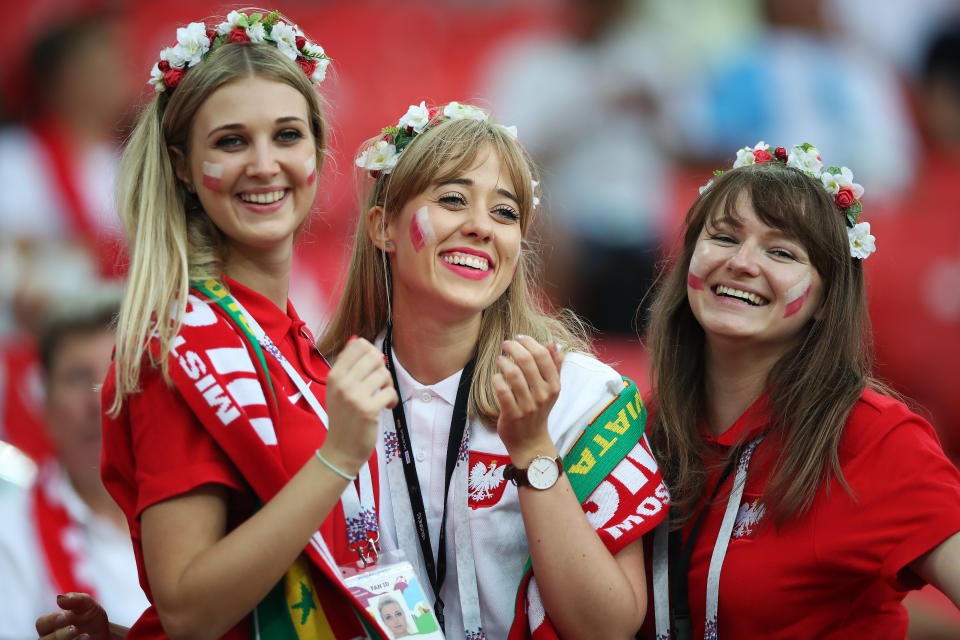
(485, 483)
(748, 517)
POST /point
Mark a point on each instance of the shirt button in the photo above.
(421, 456)
(426, 396)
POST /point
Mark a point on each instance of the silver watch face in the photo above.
(543, 472)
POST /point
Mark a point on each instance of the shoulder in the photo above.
(586, 387)
(581, 367)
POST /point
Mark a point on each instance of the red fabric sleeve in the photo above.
(172, 452)
(906, 494)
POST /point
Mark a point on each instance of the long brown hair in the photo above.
(812, 387)
(443, 151)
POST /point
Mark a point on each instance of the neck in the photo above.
(267, 273)
(432, 349)
(735, 378)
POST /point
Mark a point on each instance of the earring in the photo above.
(189, 186)
(388, 245)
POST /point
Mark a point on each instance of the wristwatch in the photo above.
(542, 473)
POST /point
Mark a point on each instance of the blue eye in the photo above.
(453, 200)
(783, 253)
(229, 142)
(725, 239)
(290, 135)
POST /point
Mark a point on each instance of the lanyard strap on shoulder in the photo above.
(436, 569)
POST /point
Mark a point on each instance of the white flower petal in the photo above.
(417, 117)
(862, 244)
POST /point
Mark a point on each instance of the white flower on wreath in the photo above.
(808, 161)
(192, 43)
(511, 130)
(257, 33)
(232, 22)
(862, 244)
(833, 182)
(156, 78)
(536, 201)
(746, 155)
(457, 111)
(381, 156)
(416, 117)
(704, 188)
(320, 72)
(285, 36)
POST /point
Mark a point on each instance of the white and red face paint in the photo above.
(212, 175)
(421, 229)
(310, 169)
(695, 274)
(796, 296)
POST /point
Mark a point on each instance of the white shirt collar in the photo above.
(446, 389)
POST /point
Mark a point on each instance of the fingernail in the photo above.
(519, 336)
(384, 358)
(351, 338)
(83, 636)
(60, 619)
(71, 631)
(556, 347)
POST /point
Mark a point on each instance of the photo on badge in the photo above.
(392, 594)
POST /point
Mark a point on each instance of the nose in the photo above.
(262, 162)
(745, 259)
(477, 223)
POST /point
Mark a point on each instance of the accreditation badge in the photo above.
(391, 592)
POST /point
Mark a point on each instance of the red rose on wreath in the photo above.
(844, 197)
(238, 35)
(780, 153)
(301, 41)
(211, 35)
(172, 77)
(759, 155)
(163, 65)
(308, 66)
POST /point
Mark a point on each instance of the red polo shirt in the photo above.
(157, 449)
(840, 571)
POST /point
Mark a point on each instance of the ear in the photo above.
(379, 231)
(180, 167)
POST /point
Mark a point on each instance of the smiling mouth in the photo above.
(751, 299)
(263, 198)
(466, 260)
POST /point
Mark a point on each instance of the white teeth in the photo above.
(262, 198)
(752, 298)
(465, 260)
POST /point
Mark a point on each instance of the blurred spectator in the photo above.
(585, 102)
(916, 309)
(65, 533)
(59, 232)
(796, 79)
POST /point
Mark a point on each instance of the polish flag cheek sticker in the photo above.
(310, 169)
(212, 173)
(695, 274)
(796, 296)
(421, 230)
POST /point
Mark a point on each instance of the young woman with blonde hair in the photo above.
(216, 447)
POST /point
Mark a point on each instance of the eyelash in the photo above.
(284, 136)
(457, 200)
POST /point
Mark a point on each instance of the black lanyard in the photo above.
(680, 556)
(436, 570)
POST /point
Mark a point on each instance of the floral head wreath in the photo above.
(382, 156)
(838, 181)
(196, 41)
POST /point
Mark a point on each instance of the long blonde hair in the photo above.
(443, 151)
(168, 233)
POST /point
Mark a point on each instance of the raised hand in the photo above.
(527, 387)
(359, 386)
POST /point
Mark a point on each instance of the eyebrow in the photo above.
(469, 183)
(237, 126)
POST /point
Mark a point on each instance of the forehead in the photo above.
(250, 101)
(738, 212)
